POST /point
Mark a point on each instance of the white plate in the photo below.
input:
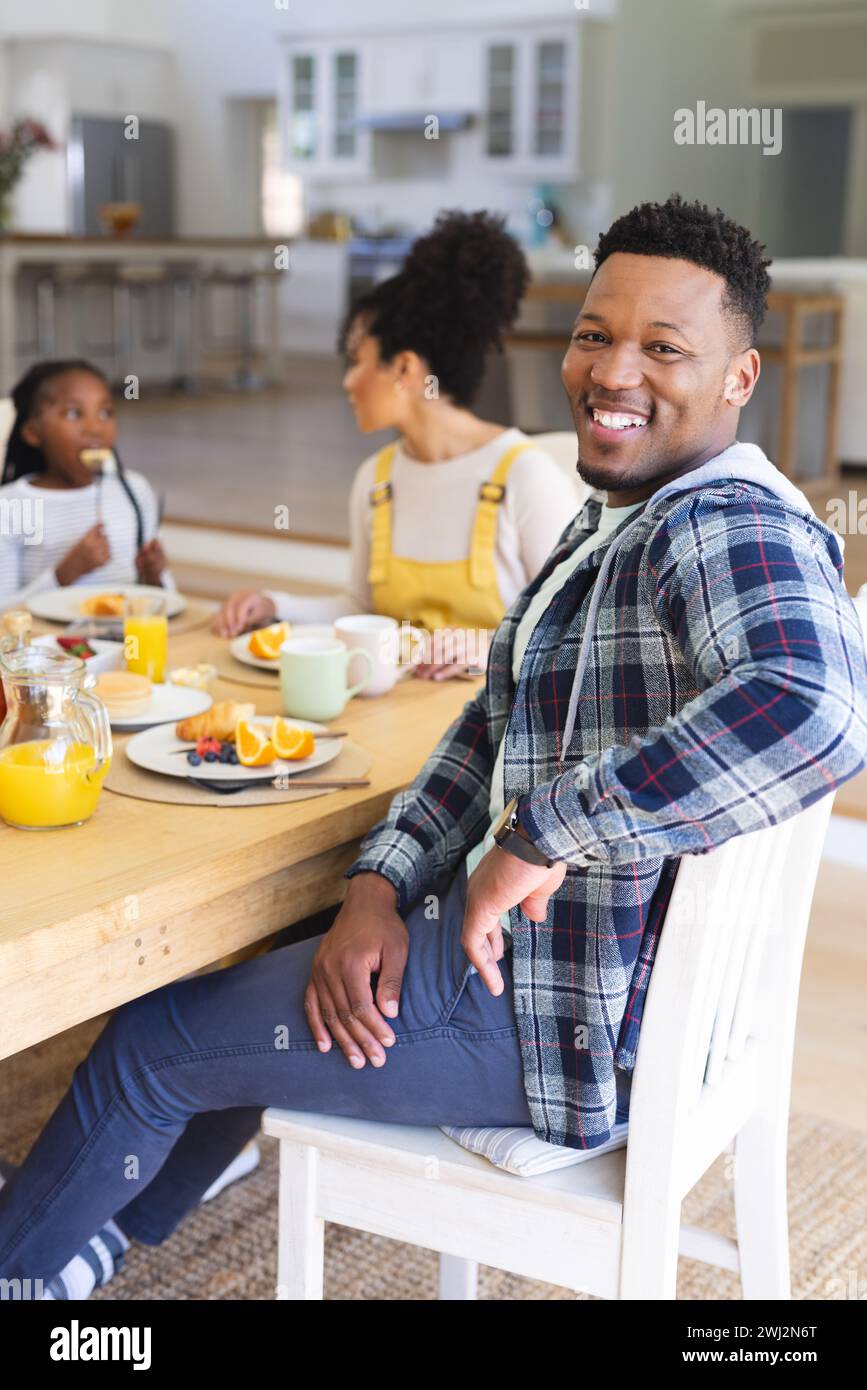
(168, 704)
(64, 605)
(241, 652)
(107, 656)
(158, 750)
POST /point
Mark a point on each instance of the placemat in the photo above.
(239, 673)
(198, 613)
(126, 779)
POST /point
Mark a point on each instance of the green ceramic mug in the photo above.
(313, 676)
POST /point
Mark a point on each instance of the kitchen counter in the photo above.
(23, 254)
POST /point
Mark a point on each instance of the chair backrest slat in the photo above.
(742, 921)
(744, 1019)
(727, 968)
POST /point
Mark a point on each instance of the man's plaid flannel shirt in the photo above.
(726, 690)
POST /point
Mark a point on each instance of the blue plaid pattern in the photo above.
(726, 690)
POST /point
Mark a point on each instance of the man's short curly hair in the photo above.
(691, 232)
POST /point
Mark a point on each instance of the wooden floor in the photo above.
(830, 1068)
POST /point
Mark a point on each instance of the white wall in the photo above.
(94, 19)
(330, 16)
(656, 56)
(51, 79)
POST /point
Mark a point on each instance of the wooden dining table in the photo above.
(144, 892)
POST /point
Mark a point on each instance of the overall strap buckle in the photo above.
(380, 492)
(491, 492)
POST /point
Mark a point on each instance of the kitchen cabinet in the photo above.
(530, 80)
(520, 86)
(432, 75)
(320, 101)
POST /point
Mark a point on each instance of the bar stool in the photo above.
(49, 283)
(42, 343)
(242, 282)
(80, 284)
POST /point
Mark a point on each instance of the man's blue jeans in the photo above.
(175, 1085)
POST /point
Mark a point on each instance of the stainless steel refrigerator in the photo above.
(105, 166)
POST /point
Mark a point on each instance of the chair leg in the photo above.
(648, 1257)
(301, 1239)
(761, 1206)
(459, 1279)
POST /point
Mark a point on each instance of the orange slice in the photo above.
(255, 748)
(266, 642)
(289, 742)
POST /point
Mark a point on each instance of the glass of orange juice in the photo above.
(145, 635)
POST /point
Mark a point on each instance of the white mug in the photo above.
(378, 636)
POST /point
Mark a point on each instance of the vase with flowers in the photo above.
(16, 147)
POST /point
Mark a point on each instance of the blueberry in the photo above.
(224, 755)
(194, 759)
(210, 757)
(233, 757)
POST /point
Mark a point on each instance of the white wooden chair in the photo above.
(562, 445)
(7, 420)
(712, 1076)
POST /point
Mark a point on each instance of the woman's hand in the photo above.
(243, 609)
(368, 937)
(92, 551)
(454, 651)
(151, 563)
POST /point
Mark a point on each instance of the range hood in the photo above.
(414, 121)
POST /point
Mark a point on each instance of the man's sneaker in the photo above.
(93, 1266)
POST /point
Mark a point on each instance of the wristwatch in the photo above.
(509, 838)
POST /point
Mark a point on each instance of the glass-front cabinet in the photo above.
(500, 128)
(344, 138)
(530, 82)
(549, 82)
(302, 110)
(321, 102)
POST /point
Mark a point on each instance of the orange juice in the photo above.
(145, 640)
(46, 783)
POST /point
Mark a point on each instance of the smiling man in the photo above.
(687, 667)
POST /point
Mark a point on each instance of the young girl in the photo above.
(449, 524)
(59, 523)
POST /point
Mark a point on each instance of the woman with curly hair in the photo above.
(450, 522)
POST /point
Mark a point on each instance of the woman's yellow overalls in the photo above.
(439, 594)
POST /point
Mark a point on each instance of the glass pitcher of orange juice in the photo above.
(55, 742)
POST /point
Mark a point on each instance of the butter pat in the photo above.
(199, 677)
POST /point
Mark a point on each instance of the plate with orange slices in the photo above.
(261, 647)
(263, 748)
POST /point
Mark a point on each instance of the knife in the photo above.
(226, 787)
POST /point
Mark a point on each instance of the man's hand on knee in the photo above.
(368, 937)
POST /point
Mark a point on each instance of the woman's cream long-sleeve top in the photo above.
(433, 509)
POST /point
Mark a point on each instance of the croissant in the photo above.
(220, 721)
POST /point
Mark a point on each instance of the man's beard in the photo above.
(602, 476)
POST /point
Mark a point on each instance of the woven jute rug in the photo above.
(227, 1249)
